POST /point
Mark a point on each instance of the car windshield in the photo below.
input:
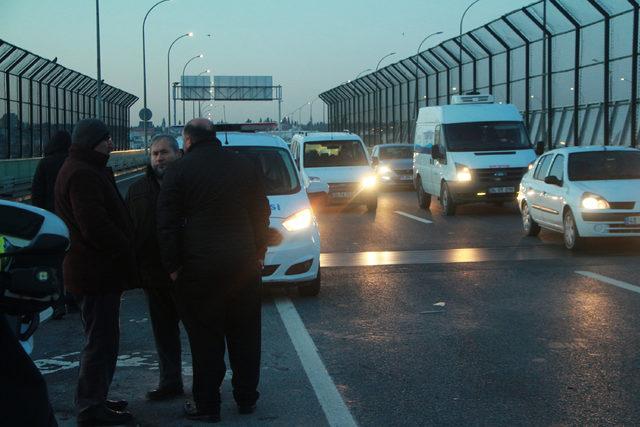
(324, 154)
(278, 170)
(604, 165)
(486, 136)
(396, 152)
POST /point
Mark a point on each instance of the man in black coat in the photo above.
(43, 196)
(98, 267)
(142, 200)
(213, 218)
(44, 179)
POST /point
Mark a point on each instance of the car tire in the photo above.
(530, 227)
(571, 235)
(424, 199)
(448, 205)
(312, 288)
(372, 205)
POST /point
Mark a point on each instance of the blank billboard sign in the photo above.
(243, 88)
(196, 88)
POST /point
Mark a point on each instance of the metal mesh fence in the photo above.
(591, 76)
(39, 97)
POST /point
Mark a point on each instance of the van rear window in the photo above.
(324, 154)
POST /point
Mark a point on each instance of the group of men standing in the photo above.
(192, 233)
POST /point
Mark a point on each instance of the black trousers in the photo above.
(213, 316)
(166, 332)
(101, 321)
(24, 400)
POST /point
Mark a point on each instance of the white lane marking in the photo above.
(417, 218)
(332, 404)
(610, 281)
(129, 177)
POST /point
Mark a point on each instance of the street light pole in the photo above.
(460, 47)
(379, 121)
(200, 102)
(418, 53)
(144, 67)
(169, 74)
(184, 115)
(99, 82)
(361, 73)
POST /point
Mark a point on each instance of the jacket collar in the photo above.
(87, 155)
(214, 145)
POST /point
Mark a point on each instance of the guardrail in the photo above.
(16, 174)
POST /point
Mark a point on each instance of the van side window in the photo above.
(542, 168)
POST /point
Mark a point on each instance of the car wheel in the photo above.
(572, 239)
(531, 228)
(448, 205)
(372, 205)
(310, 289)
(424, 199)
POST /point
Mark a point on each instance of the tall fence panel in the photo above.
(39, 96)
(586, 95)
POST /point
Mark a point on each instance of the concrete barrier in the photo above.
(16, 174)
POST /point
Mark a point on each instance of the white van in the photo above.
(341, 161)
(472, 150)
(293, 256)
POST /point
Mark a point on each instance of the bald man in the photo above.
(213, 217)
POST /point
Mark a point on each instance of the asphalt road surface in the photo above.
(422, 320)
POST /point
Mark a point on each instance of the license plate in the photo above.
(341, 194)
(502, 190)
(406, 178)
(632, 220)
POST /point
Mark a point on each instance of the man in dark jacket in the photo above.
(44, 179)
(141, 200)
(42, 196)
(213, 218)
(99, 265)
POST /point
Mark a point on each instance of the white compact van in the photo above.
(473, 150)
(340, 161)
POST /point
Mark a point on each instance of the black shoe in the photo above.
(246, 409)
(165, 393)
(192, 413)
(103, 416)
(116, 405)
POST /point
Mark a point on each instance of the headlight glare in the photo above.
(594, 202)
(299, 220)
(384, 170)
(369, 182)
(463, 173)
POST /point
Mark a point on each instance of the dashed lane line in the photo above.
(335, 410)
(417, 218)
(610, 281)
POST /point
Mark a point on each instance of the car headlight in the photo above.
(593, 201)
(463, 173)
(299, 220)
(369, 182)
(384, 170)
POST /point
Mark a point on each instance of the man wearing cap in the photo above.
(213, 218)
(99, 265)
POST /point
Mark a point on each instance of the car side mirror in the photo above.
(540, 148)
(553, 180)
(375, 162)
(435, 152)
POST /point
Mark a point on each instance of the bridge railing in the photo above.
(590, 89)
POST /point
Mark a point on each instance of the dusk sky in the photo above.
(307, 46)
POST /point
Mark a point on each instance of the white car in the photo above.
(339, 161)
(583, 192)
(293, 258)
